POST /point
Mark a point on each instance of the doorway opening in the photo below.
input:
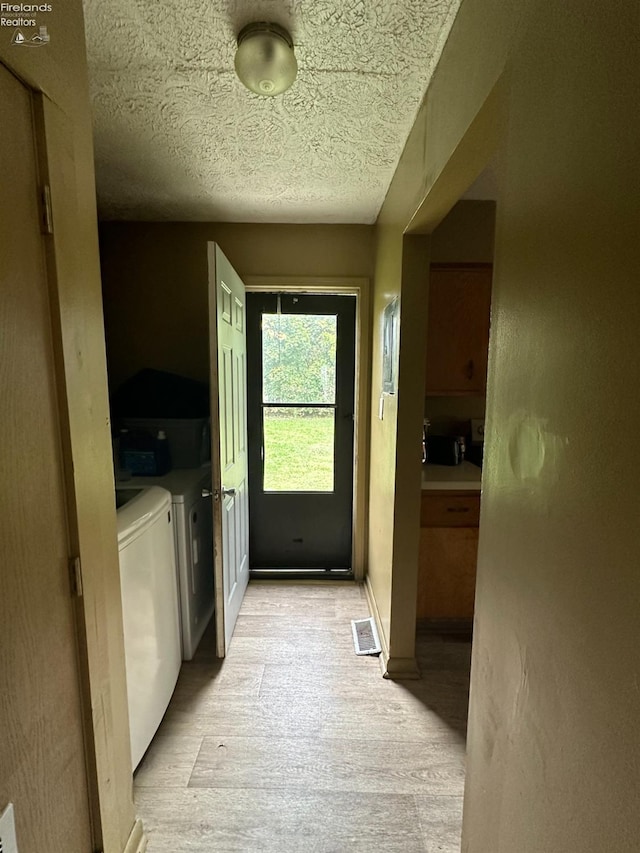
(301, 357)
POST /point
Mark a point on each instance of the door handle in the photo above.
(226, 493)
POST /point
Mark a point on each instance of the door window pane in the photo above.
(298, 449)
(299, 358)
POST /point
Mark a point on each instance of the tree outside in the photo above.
(299, 366)
(299, 358)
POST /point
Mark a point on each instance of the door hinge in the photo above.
(75, 572)
(47, 216)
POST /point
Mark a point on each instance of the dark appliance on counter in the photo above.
(445, 449)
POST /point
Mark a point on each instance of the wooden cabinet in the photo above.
(450, 509)
(458, 329)
(448, 555)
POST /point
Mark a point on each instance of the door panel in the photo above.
(241, 397)
(42, 756)
(242, 526)
(231, 541)
(229, 441)
(301, 364)
(228, 401)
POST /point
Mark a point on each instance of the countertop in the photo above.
(464, 477)
(179, 481)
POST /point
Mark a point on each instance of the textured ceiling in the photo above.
(177, 136)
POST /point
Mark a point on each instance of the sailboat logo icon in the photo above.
(42, 37)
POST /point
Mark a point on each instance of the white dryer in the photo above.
(193, 534)
(150, 608)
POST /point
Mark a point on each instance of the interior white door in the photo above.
(228, 364)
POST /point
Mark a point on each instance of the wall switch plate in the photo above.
(8, 842)
(477, 430)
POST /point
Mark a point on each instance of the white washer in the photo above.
(150, 608)
(193, 532)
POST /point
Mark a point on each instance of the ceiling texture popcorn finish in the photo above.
(178, 137)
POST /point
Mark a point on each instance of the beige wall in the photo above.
(155, 281)
(402, 269)
(434, 165)
(554, 754)
(383, 436)
(59, 69)
(553, 749)
(466, 234)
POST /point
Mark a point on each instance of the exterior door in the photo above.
(301, 350)
(228, 364)
(42, 755)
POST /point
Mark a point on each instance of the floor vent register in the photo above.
(365, 636)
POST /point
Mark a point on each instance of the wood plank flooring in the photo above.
(293, 743)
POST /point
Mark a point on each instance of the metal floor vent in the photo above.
(365, 636)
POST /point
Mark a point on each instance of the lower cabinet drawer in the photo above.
(447, 573)
(454, 510)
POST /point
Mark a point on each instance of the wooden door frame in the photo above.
(43, 120)
(361, 289)
(98, 644)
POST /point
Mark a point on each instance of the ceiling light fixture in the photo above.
(265, 61)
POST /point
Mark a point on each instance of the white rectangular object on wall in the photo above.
(8, 841)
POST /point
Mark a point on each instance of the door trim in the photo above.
(361, 289)
(138, 841)
(51, 127)
(102, 689)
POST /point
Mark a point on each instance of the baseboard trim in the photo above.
(373, 610)
(391, 667)
(402, 669)
(137, 842)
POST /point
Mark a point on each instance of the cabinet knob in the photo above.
(470, 367)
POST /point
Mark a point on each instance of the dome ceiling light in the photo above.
(265, 61)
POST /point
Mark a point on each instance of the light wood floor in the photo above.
(294, 743)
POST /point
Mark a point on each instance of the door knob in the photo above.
(226, 493)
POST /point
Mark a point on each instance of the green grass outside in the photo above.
(298, 454)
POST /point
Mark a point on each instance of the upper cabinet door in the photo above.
(458, 329)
